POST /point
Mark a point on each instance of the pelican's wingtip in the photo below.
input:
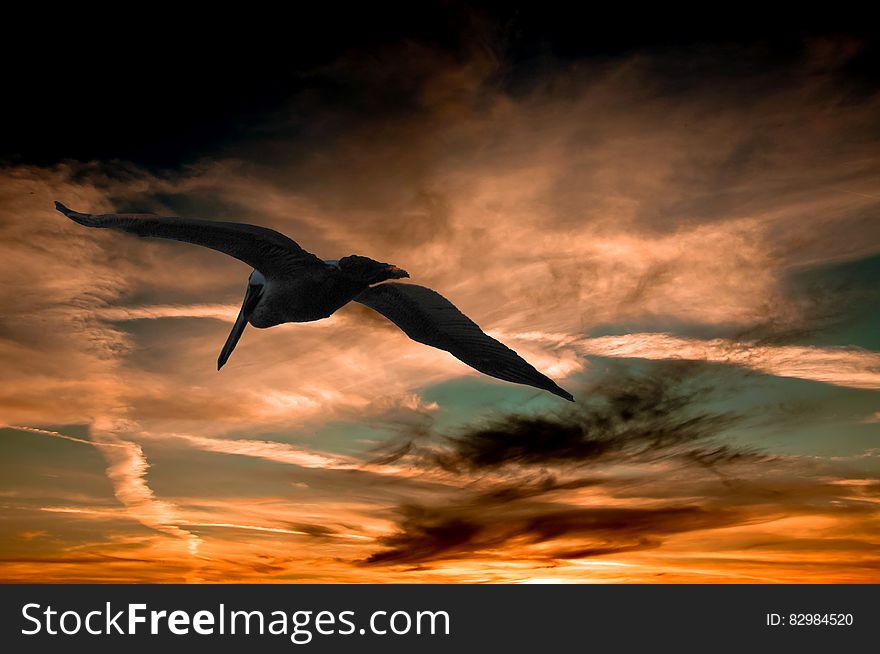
(86, 219)
(564, 394)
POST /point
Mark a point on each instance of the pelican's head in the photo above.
(252, 297)
(369, 271)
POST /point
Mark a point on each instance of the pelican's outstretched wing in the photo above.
(264, 249)
(428, 317)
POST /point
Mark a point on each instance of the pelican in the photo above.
(289, 284)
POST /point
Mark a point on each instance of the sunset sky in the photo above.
(682, 228)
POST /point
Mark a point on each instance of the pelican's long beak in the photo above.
(396, 273)
(251, 298)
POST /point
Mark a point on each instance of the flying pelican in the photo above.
(289, 284)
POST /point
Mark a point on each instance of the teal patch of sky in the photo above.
(50, 470)
(181, 471)
(466, 400)
(849, 292)
(784, 415)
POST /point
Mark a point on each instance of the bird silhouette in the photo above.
(289, 284)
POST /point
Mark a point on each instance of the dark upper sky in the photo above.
(161, 89)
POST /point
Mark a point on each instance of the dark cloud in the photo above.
(535, 522)
(540, 485)
(446, 532)
(650, 415)
(517, 470)
(645, 458)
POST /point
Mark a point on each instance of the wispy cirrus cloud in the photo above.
(268, 450)
(852, 367)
